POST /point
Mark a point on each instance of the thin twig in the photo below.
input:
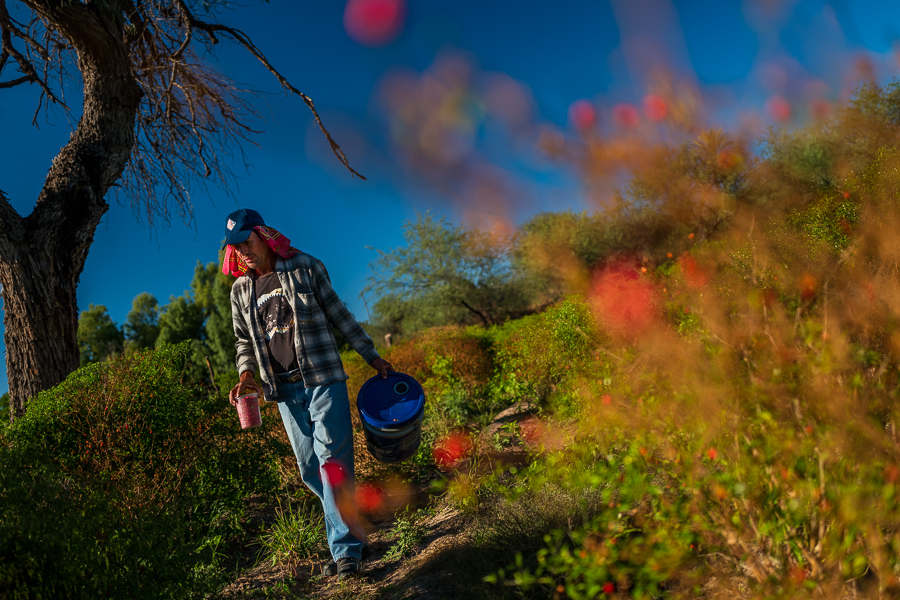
(211, 29)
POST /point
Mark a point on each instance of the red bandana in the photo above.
(274, 240)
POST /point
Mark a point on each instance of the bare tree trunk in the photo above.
(40, 335)
(42, 255)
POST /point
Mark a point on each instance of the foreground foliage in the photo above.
(714, 419)
(126, 481)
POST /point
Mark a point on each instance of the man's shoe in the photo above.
(347, 567)
(330, 569)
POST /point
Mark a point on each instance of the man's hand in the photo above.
(382, 366)
(247, 385)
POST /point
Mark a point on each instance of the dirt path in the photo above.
(418, 575)
(423, 573)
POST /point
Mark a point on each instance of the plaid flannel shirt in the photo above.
(316, 308)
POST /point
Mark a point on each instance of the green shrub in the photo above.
(549, 357)
(409, 534)
(124, 481)
(829, 220)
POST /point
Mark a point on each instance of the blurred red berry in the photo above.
(655, 107)
(532, 430)
(820, 109)
(451, 449)
(728, 159)
(712, 453)
(807, 286)
(624, 299)
(582, 115)
(626, 115)
(609, 587)
(694, 275)
(335, 474)
(369, 497)
(778, 108)
(798, 574)
(374, 23)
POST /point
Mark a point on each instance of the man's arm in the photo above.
(245, 359)
(341, 318)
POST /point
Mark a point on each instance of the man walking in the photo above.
(283, 310)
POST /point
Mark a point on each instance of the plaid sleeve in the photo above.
(245, 360)
(339, 316)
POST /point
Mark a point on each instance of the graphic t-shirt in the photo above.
(277, 321)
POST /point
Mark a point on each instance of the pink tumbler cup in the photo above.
(248, 411)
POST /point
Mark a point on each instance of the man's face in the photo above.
(253, 252)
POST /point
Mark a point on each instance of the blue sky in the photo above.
(737, 54)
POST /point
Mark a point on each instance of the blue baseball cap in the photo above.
(240, 224)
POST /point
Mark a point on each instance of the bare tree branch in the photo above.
(30, 74)
(241, 38)
(15, 82)
(191, 118)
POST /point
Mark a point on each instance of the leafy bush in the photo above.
(549, 356)
(409, 534)
(134, 474)
(742, 442)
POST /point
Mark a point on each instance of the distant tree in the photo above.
(447, 274)
(819, 157)
(559, 248)
(212, 293)
(155, 119)
(142, 323)
(202, 315)
(98, 336)
(680, 196)
(181, 320)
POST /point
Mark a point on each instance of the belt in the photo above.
(289, 376)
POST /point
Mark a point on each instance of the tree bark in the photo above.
(42, 255)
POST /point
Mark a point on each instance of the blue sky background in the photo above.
(738, 54)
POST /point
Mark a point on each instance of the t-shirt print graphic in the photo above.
(276, 319)
(276, 311)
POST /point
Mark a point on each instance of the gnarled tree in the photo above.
(154, 122)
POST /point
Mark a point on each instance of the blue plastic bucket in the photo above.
(391, 413)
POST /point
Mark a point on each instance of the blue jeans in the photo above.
(317, 421)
